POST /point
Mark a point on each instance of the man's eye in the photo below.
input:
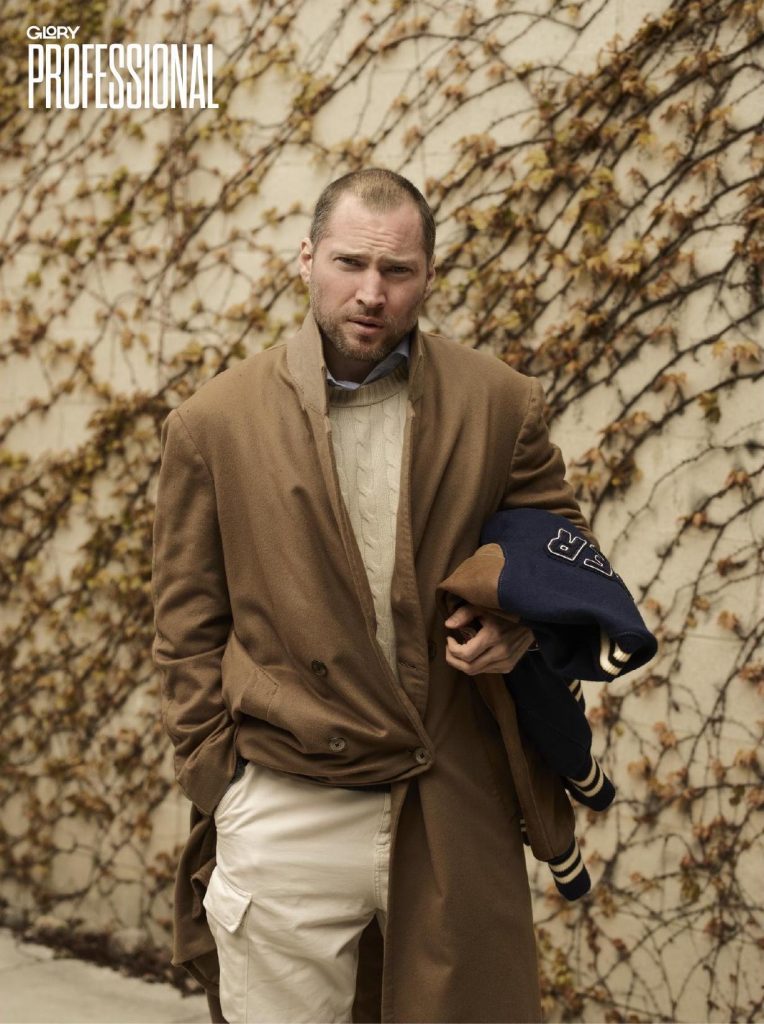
(399, 270)
(349, 261)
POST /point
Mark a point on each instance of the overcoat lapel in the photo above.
(307, 368)
(410, 629)
(306, 365)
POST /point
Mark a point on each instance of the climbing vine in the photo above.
(600, 209)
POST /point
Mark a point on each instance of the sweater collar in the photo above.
(373, 392)
(391, 362)
(307, 367)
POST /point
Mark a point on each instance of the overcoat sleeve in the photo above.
(536, 480)
(192, 616)
(537, 471)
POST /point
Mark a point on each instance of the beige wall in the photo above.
(198, 260)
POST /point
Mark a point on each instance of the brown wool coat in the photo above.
(266, 641)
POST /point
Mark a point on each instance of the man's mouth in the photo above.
(366, 321)
(367, 326)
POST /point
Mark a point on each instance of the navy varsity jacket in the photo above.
(536, 567)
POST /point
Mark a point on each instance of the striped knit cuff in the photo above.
(577, 690)
(594, 790)
(570, 874)
(613, 659)
(524, 832)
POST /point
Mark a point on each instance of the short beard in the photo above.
(331, 329)
(333, 333)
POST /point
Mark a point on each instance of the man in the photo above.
(310, 500)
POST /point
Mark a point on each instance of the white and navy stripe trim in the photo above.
(570, 874)
(577, 690)
(592, 783)
(568, 865)
(613, 659)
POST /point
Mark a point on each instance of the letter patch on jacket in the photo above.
(598, 563)
(566, 546)
(569, 547)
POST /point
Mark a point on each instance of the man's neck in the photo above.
(345, 369)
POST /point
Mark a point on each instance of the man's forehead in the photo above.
(398, 229)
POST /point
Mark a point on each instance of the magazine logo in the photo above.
(65, 75)
(52, 32)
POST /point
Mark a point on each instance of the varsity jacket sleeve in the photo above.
(537, 471)
(192, 618)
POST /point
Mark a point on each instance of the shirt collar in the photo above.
(399, 354)
(306, 366)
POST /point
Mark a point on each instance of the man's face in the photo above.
(368, 277)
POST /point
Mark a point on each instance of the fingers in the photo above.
(490, 634)
(464, 613)
(471, 649)
(496, 657)
(495, 648)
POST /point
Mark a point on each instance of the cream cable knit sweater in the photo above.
(367, 435)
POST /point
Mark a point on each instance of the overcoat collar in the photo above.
(307, 366)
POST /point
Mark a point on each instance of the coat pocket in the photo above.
(224, 902)
(247, 688)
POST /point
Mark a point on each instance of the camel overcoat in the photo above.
(265, 636)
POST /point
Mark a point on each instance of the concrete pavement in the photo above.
(39, 986)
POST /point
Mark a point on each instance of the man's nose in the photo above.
(370, 291)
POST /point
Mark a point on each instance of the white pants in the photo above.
(301, 870)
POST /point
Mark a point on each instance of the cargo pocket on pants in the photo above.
(226, 906)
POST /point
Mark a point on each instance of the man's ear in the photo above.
(430, 278)
(306, 259)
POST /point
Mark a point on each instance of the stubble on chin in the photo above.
(337, 338)
(333, 330)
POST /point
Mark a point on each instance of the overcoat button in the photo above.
(337, 744)
(421, 755)
(431, 650)
(318, 667)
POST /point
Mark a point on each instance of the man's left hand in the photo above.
(496, 647)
